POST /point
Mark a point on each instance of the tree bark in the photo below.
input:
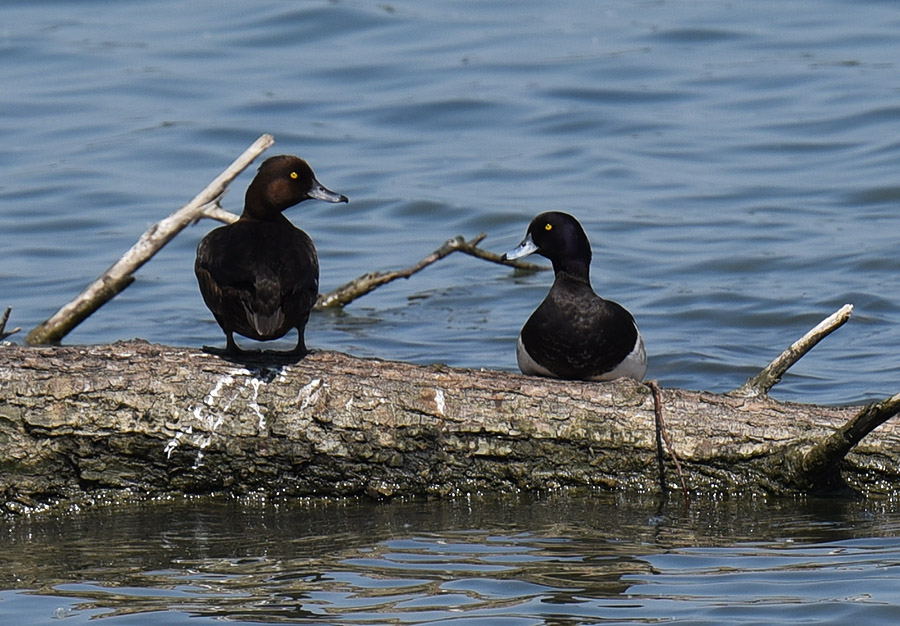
(151, 419)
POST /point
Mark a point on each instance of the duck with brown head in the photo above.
(260, 275)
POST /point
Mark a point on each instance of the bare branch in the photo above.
(369, 282)
(472, 249)
(820, 467)
(121, 273)
(213, 210)
(770, 376)
(3, 332)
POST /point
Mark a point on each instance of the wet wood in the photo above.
(152, 419)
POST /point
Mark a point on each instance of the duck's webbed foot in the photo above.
(232, 352)
(223, 351)
(296, 353)
(231, 348)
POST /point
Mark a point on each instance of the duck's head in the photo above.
(281, 182)
(558, 237)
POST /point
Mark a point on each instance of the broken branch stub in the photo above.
(3, 320)
(820, 467)
(770, 376)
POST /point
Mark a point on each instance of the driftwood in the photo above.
(136, 418)
(3, 320)
(369, 282)
(140, 418)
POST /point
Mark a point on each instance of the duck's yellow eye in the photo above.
(548, 226)
(294, 175)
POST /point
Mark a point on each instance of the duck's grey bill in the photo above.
(319, 192)
(525, 248)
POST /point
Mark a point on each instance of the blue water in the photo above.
(516, 561)
(735, 165)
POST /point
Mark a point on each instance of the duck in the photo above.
(574, 334)
(259, 276)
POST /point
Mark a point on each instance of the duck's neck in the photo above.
(256, 207)
(575, 268)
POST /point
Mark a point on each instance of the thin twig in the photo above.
(369, 282)
(820, 466)
(480, 253)
(661, 431)
(660, 453)
(471, 248)
(3, 332)
(760, 384)
(121, 273)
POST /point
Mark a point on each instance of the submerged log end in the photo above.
(819, 468)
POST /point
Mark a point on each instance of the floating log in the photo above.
(150, 419)
(136, 418)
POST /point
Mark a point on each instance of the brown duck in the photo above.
(260, 275)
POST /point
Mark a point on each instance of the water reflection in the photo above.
(556, 559)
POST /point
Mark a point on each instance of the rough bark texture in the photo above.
(156, 419)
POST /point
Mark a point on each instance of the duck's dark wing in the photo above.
(575, 334)
(258, 279)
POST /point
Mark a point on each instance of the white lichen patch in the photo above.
(224, 381)
(202, 444)
(255, 384)
(204, 413)
(209, 415)
(171, 445)
(439, 401)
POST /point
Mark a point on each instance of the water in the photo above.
(490, 560)
(733, 163)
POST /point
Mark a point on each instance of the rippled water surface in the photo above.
(735, 165)
(510, 560)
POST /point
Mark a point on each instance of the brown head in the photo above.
(281, 182)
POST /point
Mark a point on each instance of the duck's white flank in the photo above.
(632, 366)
